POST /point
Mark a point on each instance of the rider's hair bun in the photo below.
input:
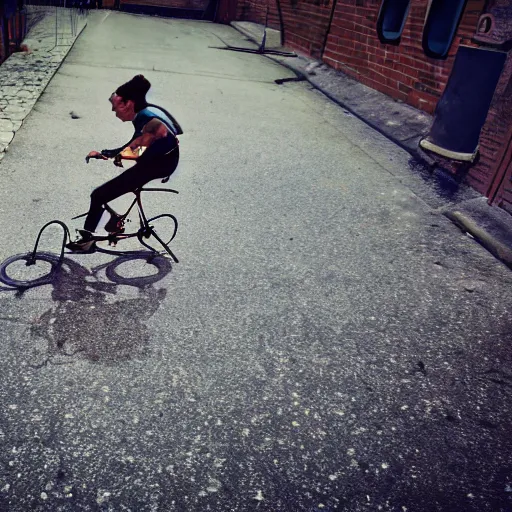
(135, 90)
(141, 83)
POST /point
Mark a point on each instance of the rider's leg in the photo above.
(131, 179)
(128, 181)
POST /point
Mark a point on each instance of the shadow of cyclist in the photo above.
(97, 320)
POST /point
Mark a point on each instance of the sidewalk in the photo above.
(25, 75)
(405, 126)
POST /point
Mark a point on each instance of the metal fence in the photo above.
(64, 18)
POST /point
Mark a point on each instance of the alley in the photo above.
(328, 340)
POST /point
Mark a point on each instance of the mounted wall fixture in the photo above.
(391, 20)
(441, 25)
(463, 108)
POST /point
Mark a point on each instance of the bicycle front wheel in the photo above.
(164, 227)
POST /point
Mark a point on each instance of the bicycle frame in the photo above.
(145, 229)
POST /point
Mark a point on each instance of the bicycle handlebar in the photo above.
(117, 159)
(98, 157)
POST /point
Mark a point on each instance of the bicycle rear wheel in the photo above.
(16, 272)
(163, 229)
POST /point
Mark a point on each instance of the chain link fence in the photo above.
(41, 23)
(62, 19)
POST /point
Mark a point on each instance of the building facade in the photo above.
(452, 59)
(419, 52)
(192, 9)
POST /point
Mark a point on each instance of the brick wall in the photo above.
(256, 11)
(403, 72)
(494, 135)
(306, 23)
(169, 4)
(504, 199)
(12, 32)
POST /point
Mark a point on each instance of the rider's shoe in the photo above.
(84, 243)
(115, 224)
(80, 245)
(85, 234)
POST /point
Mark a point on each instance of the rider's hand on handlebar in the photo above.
(118, 160)
(95, 154)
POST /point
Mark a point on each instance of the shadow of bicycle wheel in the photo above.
(161, 264)
(98, 314)
(71, 271)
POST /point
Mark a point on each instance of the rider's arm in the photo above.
(111, 153)
(152, 131)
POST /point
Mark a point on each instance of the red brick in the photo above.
(353, 45)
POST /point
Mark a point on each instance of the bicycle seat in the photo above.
(151, 189)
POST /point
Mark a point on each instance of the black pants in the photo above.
(135, 177)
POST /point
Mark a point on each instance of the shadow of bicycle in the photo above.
(98, 314)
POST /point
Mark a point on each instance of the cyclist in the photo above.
(154, 141)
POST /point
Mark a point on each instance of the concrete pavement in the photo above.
(328, 341)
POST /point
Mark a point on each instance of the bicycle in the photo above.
(115, 228)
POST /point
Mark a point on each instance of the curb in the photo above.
(60, 64)
(416, 153)
(468, 225)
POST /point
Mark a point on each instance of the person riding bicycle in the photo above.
(154, 145)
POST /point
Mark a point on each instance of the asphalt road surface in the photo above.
(328, 340)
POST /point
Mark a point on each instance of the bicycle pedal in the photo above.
(112, 240)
